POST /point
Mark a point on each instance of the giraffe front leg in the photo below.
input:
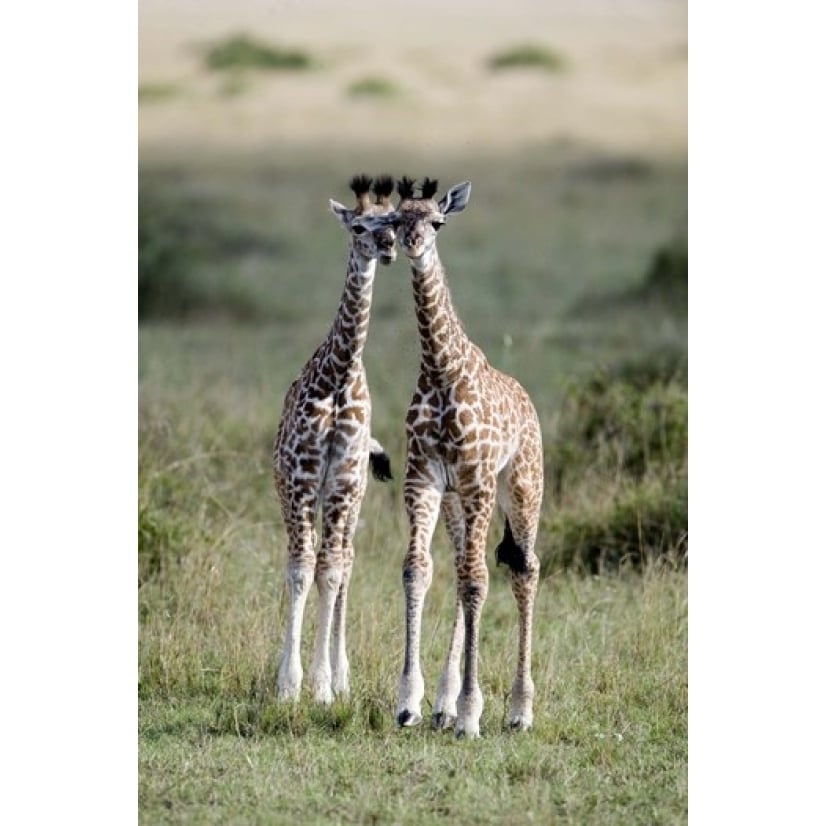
(450, 681)
(473, 592)
(422, 505)
(300, 573)
(472, 583)
(328, 581)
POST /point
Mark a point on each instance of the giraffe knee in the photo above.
(299, 579)
(415, 577)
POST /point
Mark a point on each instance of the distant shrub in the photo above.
(605, 169)
(373, 86)
(625, 421)
(242, 52)
(177, 236)
(152, 92)
(664, 286)
(618, 465)
(642, 525)
(529, 56)
(668, 270)
(166, 287)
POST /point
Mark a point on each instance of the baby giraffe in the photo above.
(321, 455)
(473, 439)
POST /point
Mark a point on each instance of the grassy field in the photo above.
(569, 267)
(551, 270)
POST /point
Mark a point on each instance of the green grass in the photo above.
(609, 745)
(528, 56)
(243, 52)
(540, 265)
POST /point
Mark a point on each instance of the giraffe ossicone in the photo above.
(321, 454)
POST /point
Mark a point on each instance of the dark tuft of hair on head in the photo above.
(383, 188)
(360, 184)
(429, 187)
(405, 187)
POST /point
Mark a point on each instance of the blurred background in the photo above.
(569, 267)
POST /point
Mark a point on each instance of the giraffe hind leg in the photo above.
(524, 575)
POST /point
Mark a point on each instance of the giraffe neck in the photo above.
(348, 335)
(444, 343)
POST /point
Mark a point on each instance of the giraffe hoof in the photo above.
(406, 719)
(520, 724)
(462, 734)
(442, 721)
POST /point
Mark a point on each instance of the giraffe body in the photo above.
(473, 440)
(321, 455)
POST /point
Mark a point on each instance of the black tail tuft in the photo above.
(380, 465)
(510, 554)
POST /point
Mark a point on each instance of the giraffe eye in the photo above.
(358, 229)
(437, 225)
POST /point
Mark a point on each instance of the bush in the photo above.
(664, 287)
(152, 92)
(178, 236)
(242, 52)
(373, 86)
(642, 524)
(618, 466)
(624, 422)
(527, 56)
(166, 242)
(667, 273)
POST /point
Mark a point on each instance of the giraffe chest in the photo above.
(325, 418)
(455, 427)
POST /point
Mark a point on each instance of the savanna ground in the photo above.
(569, 268)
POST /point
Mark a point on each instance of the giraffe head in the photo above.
(419, 218)
(370, 240)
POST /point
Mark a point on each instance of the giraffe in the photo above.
(473, 440)
(321, 454)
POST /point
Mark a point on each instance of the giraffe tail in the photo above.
(510, 554)
(379, 461)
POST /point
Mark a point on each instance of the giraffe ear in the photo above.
(455, 199)
(341, 212)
